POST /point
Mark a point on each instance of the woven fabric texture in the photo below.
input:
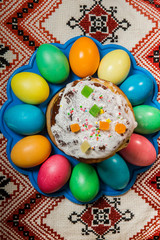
(26, 214)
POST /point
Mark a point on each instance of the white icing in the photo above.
(110, 103)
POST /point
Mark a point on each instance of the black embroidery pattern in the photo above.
(3, 193)
(157, 237)
(157, 182)
(15, 220)
(153, 2)
(155, 56)
(3, 61)
(101, 217)
(15, 26)
(99, 22)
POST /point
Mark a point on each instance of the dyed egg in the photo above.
(84, 182)
(84, 57)
(31, 151)
(148, 119)
(114, 172)
(54, 173)
(137, 88)
(52, 63)
(30, 87)
(25, 119)
(114, 66)
(139, 151)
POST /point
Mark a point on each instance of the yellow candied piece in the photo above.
(85, 146)
(108, 120)
(101, 111)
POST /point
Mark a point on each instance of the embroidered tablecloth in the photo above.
(26, 214)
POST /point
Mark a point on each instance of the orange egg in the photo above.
(31, 151)
(84, 57)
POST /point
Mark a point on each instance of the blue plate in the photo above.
(13, 138)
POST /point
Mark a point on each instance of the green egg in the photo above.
(52, 63)
(84, 182)
(148, 119)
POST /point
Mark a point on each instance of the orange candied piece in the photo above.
(75, 127)
(120, 128)
(103, 125)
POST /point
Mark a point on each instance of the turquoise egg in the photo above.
(114, 172)
(25, 119)
(148, 119)
(138, 88)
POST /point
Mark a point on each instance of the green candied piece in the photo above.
(94, 111)
(86, 91)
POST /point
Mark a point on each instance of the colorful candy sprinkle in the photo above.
(83, 109)
(72, 111)
(90, 126)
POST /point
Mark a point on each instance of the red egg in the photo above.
(140, 151)
(54, 173)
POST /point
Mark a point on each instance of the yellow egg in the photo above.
(31, 151)
(114, 66)
(30, 87)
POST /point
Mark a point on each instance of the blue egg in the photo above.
(137, 88)
(25, 119)
(114, 172)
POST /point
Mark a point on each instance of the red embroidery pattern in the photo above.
(25, 214)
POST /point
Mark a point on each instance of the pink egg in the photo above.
(54, 173)
(140, 151)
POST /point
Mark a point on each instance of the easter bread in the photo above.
(90, 119)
